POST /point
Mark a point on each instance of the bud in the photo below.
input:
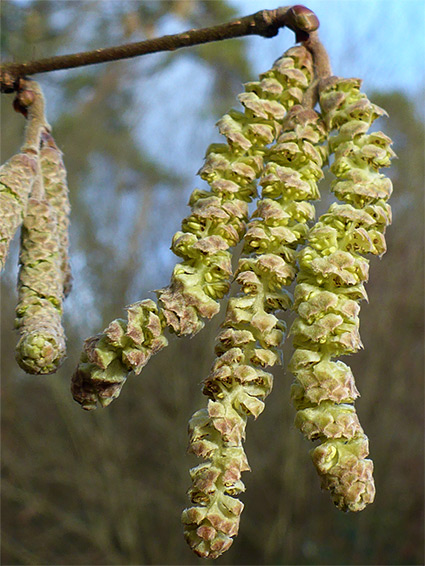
(302, 21)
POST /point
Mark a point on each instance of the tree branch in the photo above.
(266, 23)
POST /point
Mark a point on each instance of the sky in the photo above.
(370, 39)
(382, 41)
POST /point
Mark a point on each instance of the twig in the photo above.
(266, 23)
(322, 68)
(29, 101)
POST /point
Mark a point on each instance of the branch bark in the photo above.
(265, 23)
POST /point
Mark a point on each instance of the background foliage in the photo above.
(108, 487)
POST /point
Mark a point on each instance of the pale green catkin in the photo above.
(251, 333)
(16, 179)
(18, 174)
(56, 191)
(330, 284)
(216, 223)
(41, 347)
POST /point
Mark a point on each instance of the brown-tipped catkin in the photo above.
(330, 284)
(216, 223)
(41, 347)
(251, 333)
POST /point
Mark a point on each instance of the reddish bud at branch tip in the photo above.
(303, 19)
(20, 108)
(26, 97)
(23, 99)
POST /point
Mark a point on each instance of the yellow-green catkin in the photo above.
(252, 333)
(41, 347)
(216, 223)
(56, 192)
(329, 286)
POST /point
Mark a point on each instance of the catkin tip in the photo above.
(38, 353)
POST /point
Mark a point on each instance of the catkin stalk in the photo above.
(251, 333)
(329, 286)
(216, 223)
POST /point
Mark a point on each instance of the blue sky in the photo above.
(382, 41)
(370, 39)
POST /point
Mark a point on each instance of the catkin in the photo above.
(56, 191)
(216, 223)
(329, 286)
(16, 179)
(251, 333)
(18, 174)
(41, 347)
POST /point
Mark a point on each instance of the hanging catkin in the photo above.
(217, 222)
(56, 192)
(330, 284)
(252, 334)
(16, 180)
(41, 347)
(17, 175)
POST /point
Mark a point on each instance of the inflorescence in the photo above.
(282, 144)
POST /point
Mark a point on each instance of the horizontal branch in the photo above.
(265, 23)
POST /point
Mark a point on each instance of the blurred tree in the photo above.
(108, 487)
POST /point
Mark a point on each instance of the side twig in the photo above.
(322, 68)
(266, 23)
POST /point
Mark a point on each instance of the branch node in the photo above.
(7, 82)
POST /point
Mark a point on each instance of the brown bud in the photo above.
(302, 21)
